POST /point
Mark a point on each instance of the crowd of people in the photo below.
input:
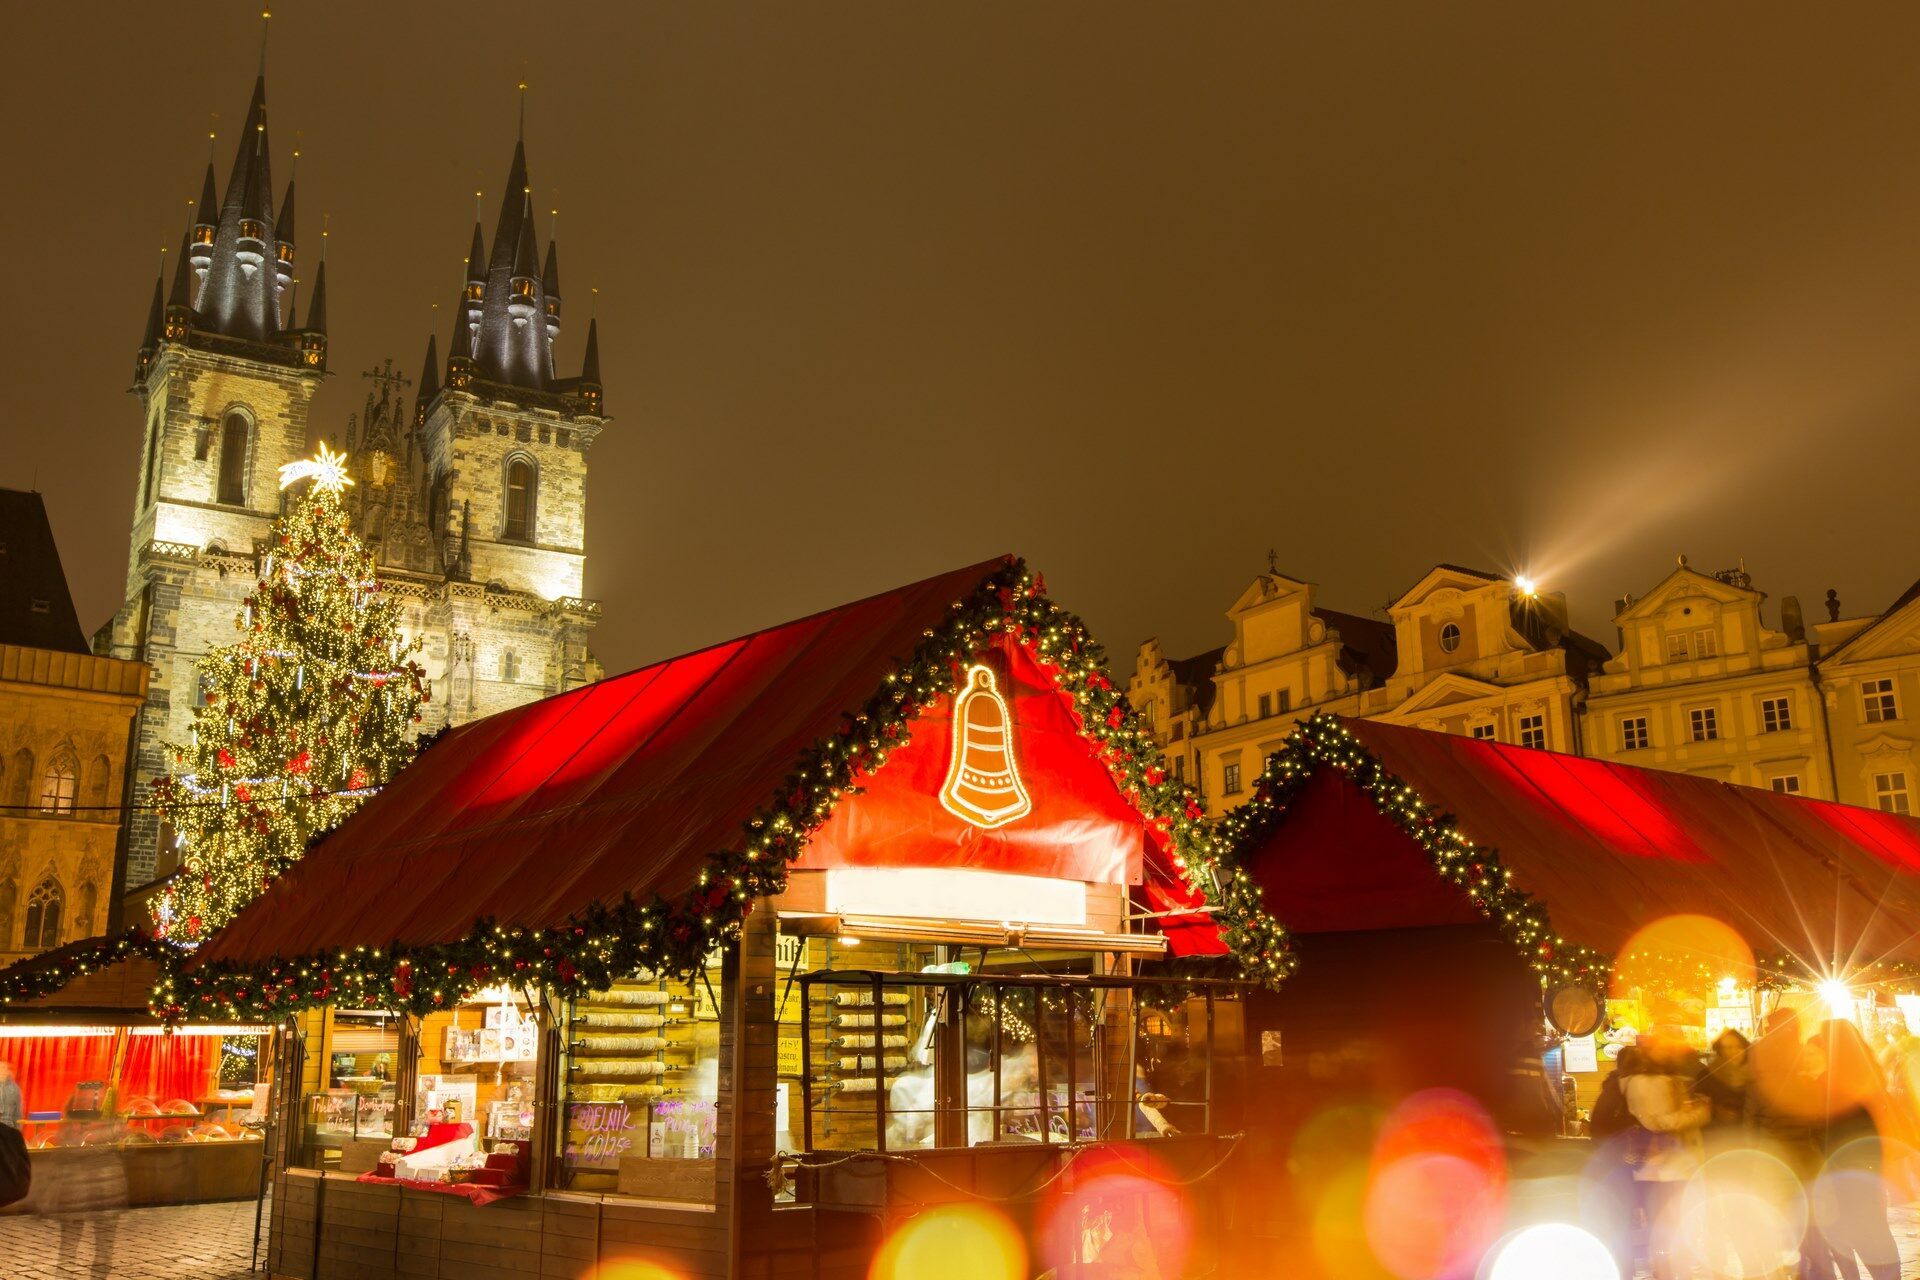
(1817, 1104)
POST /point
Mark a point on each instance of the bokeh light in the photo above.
(1743, 1214)
(1122, 1212)
(1678, 959)
(1436, 1190)
(1552, 1251)
(953, 1242)
(634, 1269)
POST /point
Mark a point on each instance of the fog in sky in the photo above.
(1137, 291)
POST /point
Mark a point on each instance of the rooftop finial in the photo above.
(478, 209)
(324, 219)
(593, 295)
(523, 111)
(266, 20)
(213, 139)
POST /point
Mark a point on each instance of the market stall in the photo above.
(181, 1108)
(809, 932)
(1422, 865)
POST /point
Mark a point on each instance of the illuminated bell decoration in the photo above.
(983, 780)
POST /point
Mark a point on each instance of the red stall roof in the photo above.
(622, 787)
(1607, 848)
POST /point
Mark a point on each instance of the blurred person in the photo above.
(87, 1186)
(1851, 1200)
(1724, 1081)
(1784, 1110)
(12, 1105)
(1662, 1101)
(1611, 1194)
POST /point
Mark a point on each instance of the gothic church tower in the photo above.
(225, 378)
(475, 507)
(473, 503)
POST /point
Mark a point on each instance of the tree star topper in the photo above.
(327, 470)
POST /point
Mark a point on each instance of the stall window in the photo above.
(135, 1086)
(641, 1077)
(958, 1056)
(43, 916)
(347, 1111)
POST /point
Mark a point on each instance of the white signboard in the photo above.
(1580, 1054)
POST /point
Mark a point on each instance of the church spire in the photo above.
(156, 316)
(509, 347)
(429, 381)
(590, 386)
(240, 297)
(550, 285)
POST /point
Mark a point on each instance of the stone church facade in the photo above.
(471, 495)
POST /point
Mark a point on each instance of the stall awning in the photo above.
(629, 787)
(1605, 848)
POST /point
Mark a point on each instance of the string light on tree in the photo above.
(298, 721)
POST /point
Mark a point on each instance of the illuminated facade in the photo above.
(1460, 651)
(1700, 683)
(65, 721)
(472, 497)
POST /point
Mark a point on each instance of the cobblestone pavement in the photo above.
(171, 1242)
(214, 1242)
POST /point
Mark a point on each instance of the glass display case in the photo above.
(338, 1115)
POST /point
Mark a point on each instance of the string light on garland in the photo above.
(606, 941)
(1324, 742)
(299, 721)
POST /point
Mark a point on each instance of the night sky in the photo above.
(1136, 291)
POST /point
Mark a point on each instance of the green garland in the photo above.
(1324, 742)
(608, 941)
(40, 976)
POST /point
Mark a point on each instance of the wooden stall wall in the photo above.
(382, 1232)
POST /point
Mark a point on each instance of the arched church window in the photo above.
(20, 780)
(61, 784)
(521, 482)
(9, 899)
(43, 916)
(233, 458)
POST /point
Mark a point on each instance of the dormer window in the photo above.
(1450, 637)
(1678, 650)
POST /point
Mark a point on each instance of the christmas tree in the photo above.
(298, 722)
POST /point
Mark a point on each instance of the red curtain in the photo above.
(48, 1067)
(167, 1067)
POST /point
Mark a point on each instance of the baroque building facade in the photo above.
(1460, 651)
(1699, 682)
(472, 497)
(66, 724)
